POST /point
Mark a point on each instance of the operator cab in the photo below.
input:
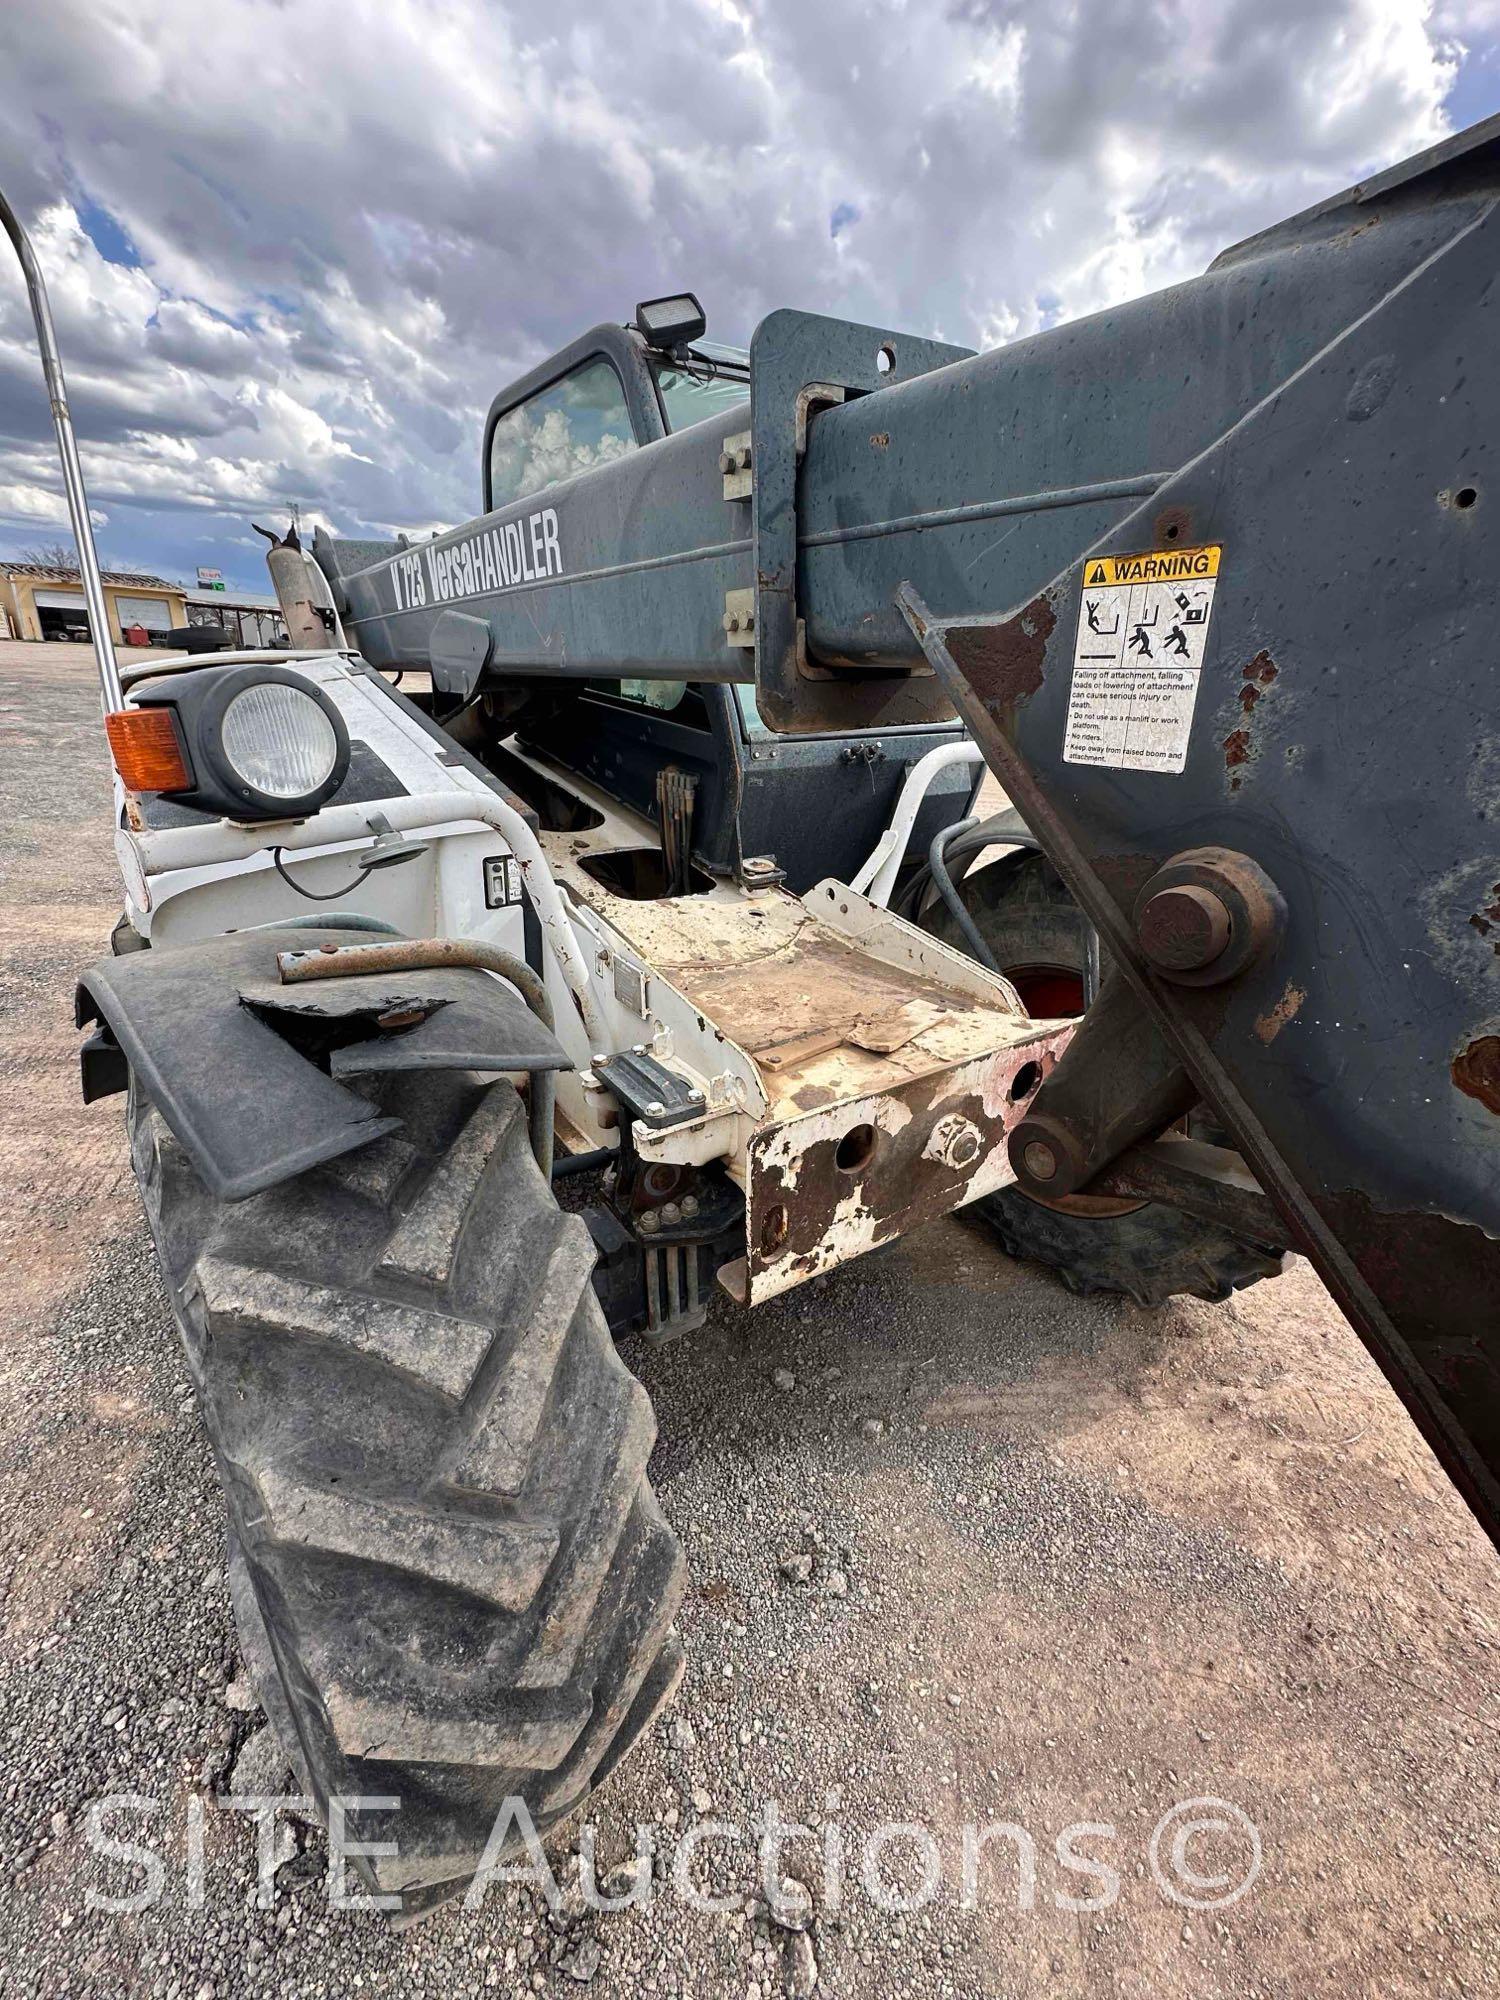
(613, 390)
(818, 803)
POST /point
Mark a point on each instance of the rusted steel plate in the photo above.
(837, 1181)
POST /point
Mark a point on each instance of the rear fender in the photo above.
(245, 1071)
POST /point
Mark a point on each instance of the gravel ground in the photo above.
(964, 1550)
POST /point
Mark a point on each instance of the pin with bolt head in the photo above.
(1184, 928)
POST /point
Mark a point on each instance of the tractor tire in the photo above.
(1029, 921)
(1149, 1252)
(453, 1584)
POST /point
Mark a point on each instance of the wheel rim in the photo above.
(1048, 992)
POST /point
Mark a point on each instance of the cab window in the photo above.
(688, 399)
(712, 381)
(567, 427)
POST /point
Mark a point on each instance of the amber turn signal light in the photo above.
(147, 750)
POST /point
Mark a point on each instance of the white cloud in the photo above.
(359, 221)
(20, 502)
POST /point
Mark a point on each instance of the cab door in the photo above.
(592, 402)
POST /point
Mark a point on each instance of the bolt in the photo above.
(690, 1204)
(671, 1213)
(1039, 1160)
(742, 458)
(726, 461)
(749, 621)
(655, 1108)
(696, 1094)
(597, 1061)
(1185, 928)
(650, 1222)
(731, 621)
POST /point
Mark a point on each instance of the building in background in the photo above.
(249, 620)
(42, 603)
(38, 602)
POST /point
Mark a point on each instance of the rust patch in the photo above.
(1476, 1071)
(775, 989)
(880, 439)
(1484, 920)
(836, 1189)
(1003, 663)
(1439, 1279)
(1270, 1024)
(1173, 524)
(813, 1096)
(899, 1188)
(1256, 676)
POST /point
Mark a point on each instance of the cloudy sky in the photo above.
(294, 249)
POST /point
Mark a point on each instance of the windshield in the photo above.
(713, 381)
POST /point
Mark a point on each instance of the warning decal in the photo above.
(1142, 627)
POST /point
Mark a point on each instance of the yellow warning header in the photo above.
(1156, 566)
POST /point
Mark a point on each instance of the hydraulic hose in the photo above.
(956, 905)
(1004, 829)
(569, 1164)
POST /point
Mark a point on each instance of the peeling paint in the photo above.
(939, 1142)
(1003, 663)
(1270, 1024)
(1486, 919)
(812, 1096)
(1476, 1071)
(1258, 675)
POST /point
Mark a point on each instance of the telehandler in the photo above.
(668, 852)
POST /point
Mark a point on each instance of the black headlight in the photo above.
(260, 742)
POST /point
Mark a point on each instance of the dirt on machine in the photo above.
(633, 829)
